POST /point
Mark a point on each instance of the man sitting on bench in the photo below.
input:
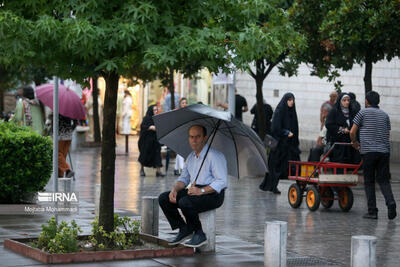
(207, 193)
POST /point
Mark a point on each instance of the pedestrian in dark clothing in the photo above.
(285, 129)
(268, 115)
(374, 126)
(338, 124)
(149, 147)
(355, 105)
(240, 106)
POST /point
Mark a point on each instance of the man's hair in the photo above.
(202, 127)
(373, 98)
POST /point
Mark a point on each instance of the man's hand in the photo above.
(172, 196)
(356, 145)
(194, 191)
(290, 134)
(152, 128)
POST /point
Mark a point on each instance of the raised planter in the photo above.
(21, 246)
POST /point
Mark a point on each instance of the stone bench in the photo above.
(208, 222)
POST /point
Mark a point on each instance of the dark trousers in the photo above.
(376, 167)
(190, 206)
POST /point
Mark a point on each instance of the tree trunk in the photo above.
(171, 88)
(106, 217)
(96, 119)
(368, 73)
(261, 116)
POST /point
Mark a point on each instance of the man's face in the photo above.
(333, 96)
(197, 140)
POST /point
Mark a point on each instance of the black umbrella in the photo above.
(243, 149)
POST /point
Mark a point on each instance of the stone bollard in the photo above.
(97, 191)
(150, 212)
(208, 224)
(363, 251)
(275, 240)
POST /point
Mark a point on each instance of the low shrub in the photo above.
(60, 238)
(25, 162)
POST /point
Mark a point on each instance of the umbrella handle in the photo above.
(208, 148)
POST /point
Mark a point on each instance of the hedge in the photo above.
(25, 162)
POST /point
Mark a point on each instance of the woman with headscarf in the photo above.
(149, 147)
(179, 160)
(30, 112)
(285, 130)
(338, 123)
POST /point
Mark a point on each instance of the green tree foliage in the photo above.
(79, 39)
(265, 40)
(343, 33)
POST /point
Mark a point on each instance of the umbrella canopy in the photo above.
(69, 103)
(243, 149)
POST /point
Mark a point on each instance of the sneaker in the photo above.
(142, 173)
(392, 211)
(198, 240)
(69, 173)
(372, 216)
(184, 233)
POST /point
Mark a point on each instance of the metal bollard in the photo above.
(208, 224)
(97, 191)
(275, 240)
(363, 251)
(150, 212)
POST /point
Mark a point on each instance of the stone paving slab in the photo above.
(314, 238)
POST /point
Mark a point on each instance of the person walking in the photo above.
(338, 123)
(179, 160)
(149, 147)
(285, 129)
(30, 112)
(268, 116)
(374, 128)
(240, 106)
(65, 130)
(205, 194)
(126, 113)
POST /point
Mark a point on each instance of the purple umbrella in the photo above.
(69, 103)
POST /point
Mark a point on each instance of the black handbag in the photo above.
(270, 142)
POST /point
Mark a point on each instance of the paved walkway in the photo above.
(320, 238)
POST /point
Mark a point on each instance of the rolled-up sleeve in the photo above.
(219, 170)
(185, 176)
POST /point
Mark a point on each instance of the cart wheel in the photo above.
(346, 199)
(312, 198)
(295, 196)
(326, 197)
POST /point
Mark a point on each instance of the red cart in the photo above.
(317, 181)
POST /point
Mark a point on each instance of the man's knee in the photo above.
(163, 198)
(184, 203)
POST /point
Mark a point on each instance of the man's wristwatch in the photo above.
(203, 191)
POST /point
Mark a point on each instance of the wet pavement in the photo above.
(320, 238)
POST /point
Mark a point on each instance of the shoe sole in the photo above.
(196, 246)
(180, 241)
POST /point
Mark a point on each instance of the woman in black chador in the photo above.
(338, 123)
(149, 147)
(285, 129)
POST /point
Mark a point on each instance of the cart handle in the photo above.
(331, 148)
